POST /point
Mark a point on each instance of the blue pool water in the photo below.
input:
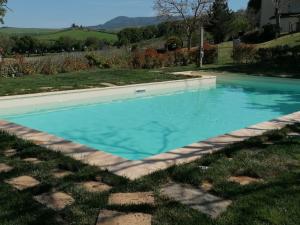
(142, 127)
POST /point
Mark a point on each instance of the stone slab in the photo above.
(56, 201)
(4, 168)
(244, 180)
(95, 186)
(107, 217)
(196, 199)
(23, 182)
(59, 174)
(10, 152)
(32, 160)
(137, 198)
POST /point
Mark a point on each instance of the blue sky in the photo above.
(62, 13)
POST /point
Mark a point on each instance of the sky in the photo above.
(62, 13)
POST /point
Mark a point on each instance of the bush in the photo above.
(173, 43)
(258, 36)
(210, 54)
(280, 55)
(244, 53)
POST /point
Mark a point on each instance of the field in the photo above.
(26, 31)
(54, 34)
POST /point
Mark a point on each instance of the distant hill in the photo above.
(122, 22)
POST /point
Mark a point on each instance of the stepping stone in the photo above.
(137, 198)
(108, 85)
(56, 201)
(244, 180)
(206, 186)
(10, 153)
(4, 168)
(293, 134)
(61, 173)
(107, 217)
(32, 160)
(94, 186)
(23, 182)
(196, 199)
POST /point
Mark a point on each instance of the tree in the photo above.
(3, 7)
(240, 23)
(253, 12)
(220, 17)
(277, 16)
(190, 11)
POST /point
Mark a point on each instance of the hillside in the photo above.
(121, 22)
(291, 40)
(26, 31)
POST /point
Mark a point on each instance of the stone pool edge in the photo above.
(136, 169)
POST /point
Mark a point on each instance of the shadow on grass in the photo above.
(292, 71)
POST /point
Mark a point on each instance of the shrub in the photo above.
(210, 54)
(173, 43)
(244, 53)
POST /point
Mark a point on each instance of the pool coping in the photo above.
(134, 169)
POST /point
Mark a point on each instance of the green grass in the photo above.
(26, 31)
(54, 34)
(78, 35)
(80, 80)
(291, 40)
(274, 201)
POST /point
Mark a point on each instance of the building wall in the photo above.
(287, 6)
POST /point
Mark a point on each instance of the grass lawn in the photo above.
(78, 35)
(79, 80)
(274, 158)
(26, 31)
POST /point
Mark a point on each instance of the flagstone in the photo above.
(56, 201)
(61, 173)
(23, 182)
(207, 186)
(137, 198)
(244, 180)
(32, 160)
(94, 186)
(4, 168)
(10, 152)
(107, 217)
(196, 198)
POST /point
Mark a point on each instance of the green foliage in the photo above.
(2, 10)
(244, 53)
(220, 17)
(173, 43)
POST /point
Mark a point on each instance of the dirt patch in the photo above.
(4, 168)
(206, 186)
(107, 217)
(55, 201)
(94, 186)
(244, 180)
(138, 198)
(23, 182)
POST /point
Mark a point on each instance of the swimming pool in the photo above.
(138, 128)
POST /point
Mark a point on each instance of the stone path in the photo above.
(95, 186)
(108, 85)
(107, 217)
(4, 168)
(23, 182)
(32, 160)
(58, 174)
(10, 152)
(196, 199)
(137, 198)
(56, 201)
(244, 180)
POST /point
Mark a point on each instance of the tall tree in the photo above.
(3, 7)
(254, 11)
(220, 17)
(277, 16)
(190, 11)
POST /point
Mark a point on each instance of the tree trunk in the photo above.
(189, 44)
